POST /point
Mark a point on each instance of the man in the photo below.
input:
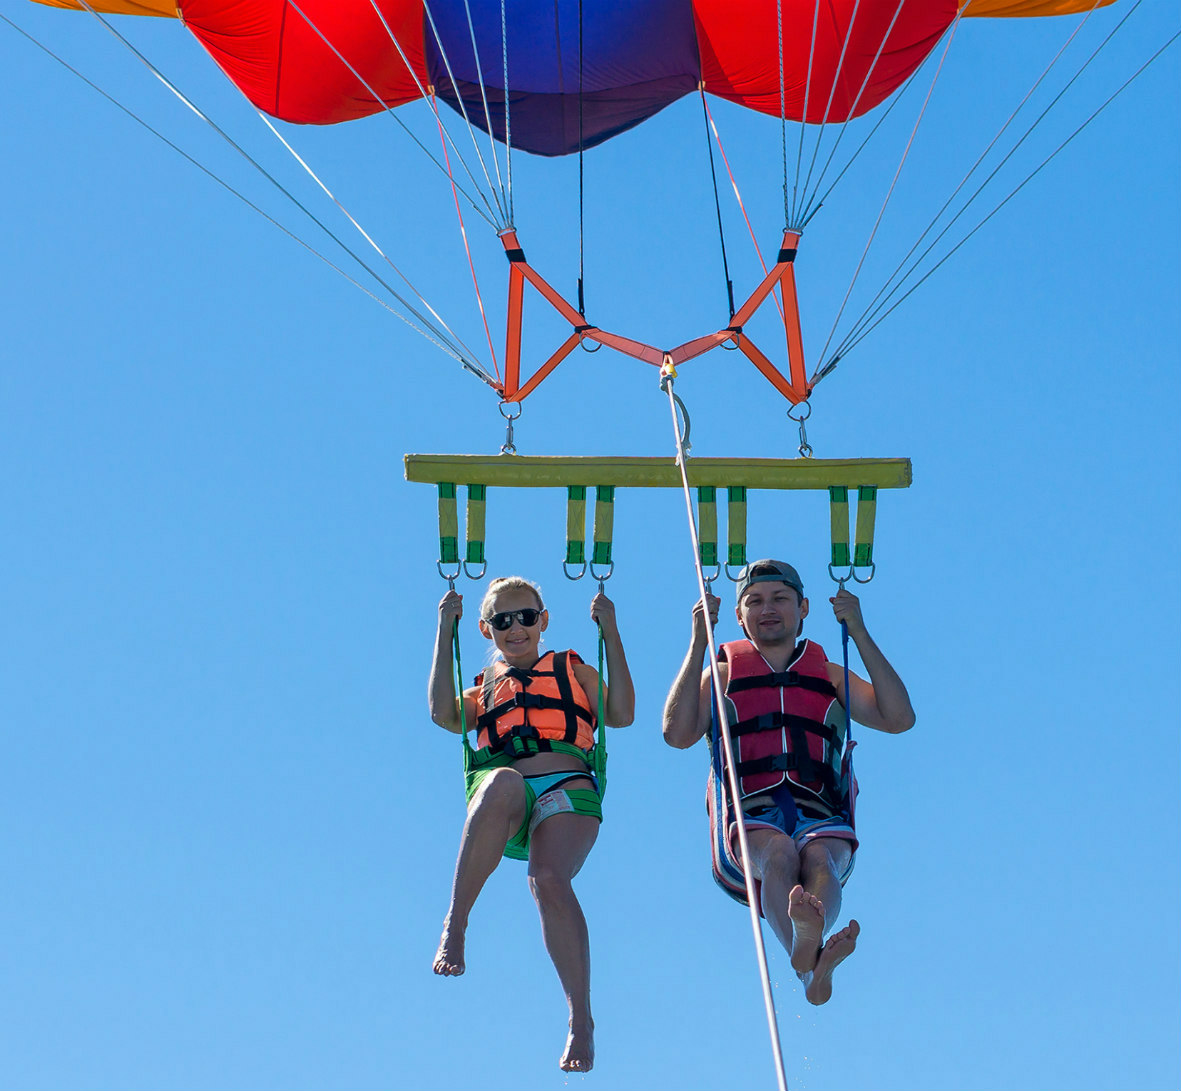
(785, 703)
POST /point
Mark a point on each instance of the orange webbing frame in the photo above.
(794, 386)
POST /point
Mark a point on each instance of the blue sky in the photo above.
(229, 824)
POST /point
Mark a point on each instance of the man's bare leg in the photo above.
(822, 863)
(776, 865)
(496, 813)
(557, 850)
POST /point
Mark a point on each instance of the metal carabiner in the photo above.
(509, 447)
(805, 447)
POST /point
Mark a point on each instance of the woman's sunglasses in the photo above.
(503, 621)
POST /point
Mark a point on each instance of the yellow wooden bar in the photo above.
(542, 471)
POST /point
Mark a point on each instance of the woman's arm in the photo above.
(441, 696)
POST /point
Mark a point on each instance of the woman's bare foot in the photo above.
(839, 947)
(449, 956)
(807, 921)
(580, 1049)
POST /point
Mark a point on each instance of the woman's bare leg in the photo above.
(496, 813)
(557, 850)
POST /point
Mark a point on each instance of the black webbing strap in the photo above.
(776, 721)
(566, 695)
(786, 763)
(782, 678)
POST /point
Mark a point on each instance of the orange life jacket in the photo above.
(527, 710)
(786, 725)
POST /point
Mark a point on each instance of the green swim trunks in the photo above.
(544, 796)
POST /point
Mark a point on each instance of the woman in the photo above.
(531, 792)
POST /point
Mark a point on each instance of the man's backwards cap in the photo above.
(768, 571)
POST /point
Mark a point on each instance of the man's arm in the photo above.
(882, 702)
(687, 708)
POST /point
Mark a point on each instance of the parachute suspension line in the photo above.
(668, 374)
(782, 114)
(508, 118)
(491, 217)
(817, 203)
(581, 179)
(479, 373)
(468, 250)
(887, 292)
(1017, 189)
(832, 92)
(436, 335)
(428, 95)
(777, 295)
(503, 200)
(889, 194)
(718, 205)
(810, 210)
(804, 118)
(366, 236)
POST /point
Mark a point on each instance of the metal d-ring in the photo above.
(732, 578)
(840, 581)
(606, 576)
(582, 342)
(872, 569)
(709, 580)
(453, 576)
(479, 575)
(566, 571)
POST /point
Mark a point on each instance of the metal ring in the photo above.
(595, 575)
(566, 570)
(731, 343)
(453, 577)
(805, 404)
(479, 575)
(582, 343)
(516, 415)
(805, 450)
(734, 579)
(841, 580)
(710, 579)
(873, 567)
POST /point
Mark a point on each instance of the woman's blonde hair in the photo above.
(508, 583)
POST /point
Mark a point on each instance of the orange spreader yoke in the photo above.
(794, 386)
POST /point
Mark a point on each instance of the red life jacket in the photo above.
(786, 725)
(526, 711)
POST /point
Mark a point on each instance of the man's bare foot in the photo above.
(580, 1049)
(449, 956)
(839, 947)
(807, 921)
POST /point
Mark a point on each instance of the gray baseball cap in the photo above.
(768, 571)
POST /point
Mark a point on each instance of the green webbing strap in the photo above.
(467, 746)
(576, 524)
(707, 524)
(604, 523)
(838, 501)
(448, 524)
(867, 506)
(476, 496)
(599, 754)
(736, 525)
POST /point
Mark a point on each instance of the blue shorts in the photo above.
(779, 812)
